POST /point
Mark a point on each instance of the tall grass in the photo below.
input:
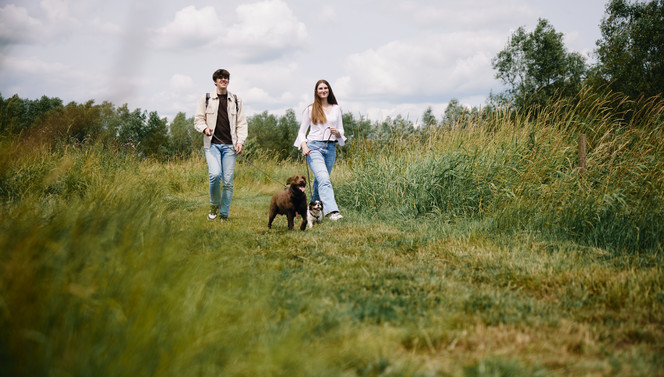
(520, 172)
(448, 262)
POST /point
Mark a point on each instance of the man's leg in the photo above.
(228, 170)
(213, 158)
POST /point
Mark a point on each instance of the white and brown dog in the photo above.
(315, 213)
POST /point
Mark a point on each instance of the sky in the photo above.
(382, 58)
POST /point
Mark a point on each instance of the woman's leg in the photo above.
(321, 160)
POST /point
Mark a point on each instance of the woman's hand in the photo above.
(305, 149)
(335, 132)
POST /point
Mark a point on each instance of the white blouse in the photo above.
(320, 132)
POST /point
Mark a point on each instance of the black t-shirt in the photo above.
(222, 132)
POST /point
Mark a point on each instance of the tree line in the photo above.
(535, 67)
(47, 121)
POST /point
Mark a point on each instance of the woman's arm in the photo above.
(340, 127)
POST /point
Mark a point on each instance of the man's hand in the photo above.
(207, 132)
(238, 148)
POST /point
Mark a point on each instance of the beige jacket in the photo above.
(207, 118)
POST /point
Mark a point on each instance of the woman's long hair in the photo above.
(317, 113)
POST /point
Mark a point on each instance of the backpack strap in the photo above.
(207, 100)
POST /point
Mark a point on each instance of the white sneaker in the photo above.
(336, 216)
(214, 211)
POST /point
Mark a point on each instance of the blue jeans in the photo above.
(221, 166)
(320, 161)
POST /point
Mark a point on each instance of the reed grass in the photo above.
(520, 172)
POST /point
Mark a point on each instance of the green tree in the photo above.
(428, 119)
(453, 112)
(355, 129)
(287, 129)
(156, 142)
(195, 137)
(180, 136)
(273, 134)
(262, 132)
(19, 114)
(391, 129)
(630, 53)
(110, 122)
(457, 114)
(132, 130)
(536, 65)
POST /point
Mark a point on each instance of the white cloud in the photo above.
(260, 95)
(266, 30)
(262, 31)
(29, 76)
(180, 96)
(34, 66)
(16, 25)
(105, 27)
(256, 95)
(190, 28)
(466, 15)
(422, 67)
(181, 82)
(56, 9)
(328, 14)
(276, 80)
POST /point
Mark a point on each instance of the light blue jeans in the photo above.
(221, 166)
(321, 161)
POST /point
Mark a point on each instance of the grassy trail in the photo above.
(368, 297)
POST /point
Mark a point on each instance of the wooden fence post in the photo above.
(582, 153)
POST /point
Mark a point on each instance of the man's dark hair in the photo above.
(220, 74)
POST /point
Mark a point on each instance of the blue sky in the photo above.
(382, 58)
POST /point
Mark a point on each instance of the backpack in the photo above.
(207, 100)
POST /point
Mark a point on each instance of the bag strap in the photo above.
(207, 100)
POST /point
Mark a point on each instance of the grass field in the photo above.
(461, 258)
(137, 282)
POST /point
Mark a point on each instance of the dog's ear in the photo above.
(289, 180)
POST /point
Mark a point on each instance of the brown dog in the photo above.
(291, 201)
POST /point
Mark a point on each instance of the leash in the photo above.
(311, 184)
(249, 162)
(259, 169)
(326, 141)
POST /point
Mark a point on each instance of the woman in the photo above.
(326, 130)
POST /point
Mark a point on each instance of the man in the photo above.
(220, 117)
